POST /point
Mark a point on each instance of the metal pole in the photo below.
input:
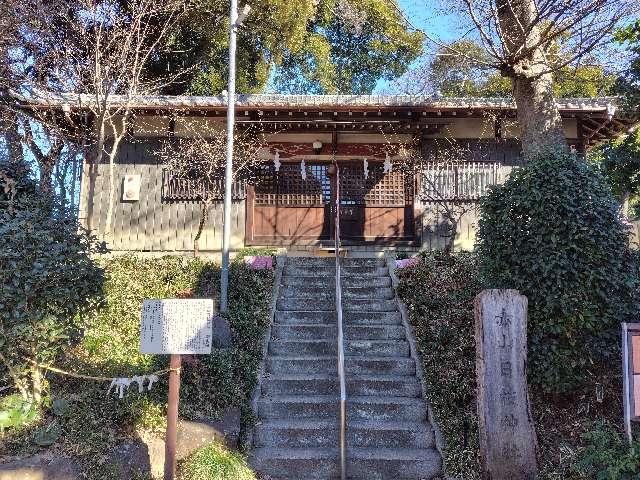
(228, 171)
(171, 439)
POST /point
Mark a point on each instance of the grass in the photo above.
(215, 462)
(95, 423)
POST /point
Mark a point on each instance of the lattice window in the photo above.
(458, 180)
(287, 187)
(177, 188)
(379, 189)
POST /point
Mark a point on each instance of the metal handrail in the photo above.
(341, 373)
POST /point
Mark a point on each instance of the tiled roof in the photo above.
(274, 101)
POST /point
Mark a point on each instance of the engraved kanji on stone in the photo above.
(506, 368)
(504, 343)
(509, 450)
(503, 320)
(510, 421)
(508, 398)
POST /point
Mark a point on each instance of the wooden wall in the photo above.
(150, 224)
(434, 226)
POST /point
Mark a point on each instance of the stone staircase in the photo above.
(388, 433)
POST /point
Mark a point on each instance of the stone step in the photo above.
(359, 408)
(376, 348)
(330, 261)
(328, 384)
(328, 293)
(393, 464)
(368, 293)
(371, 318)
(296, 463)
(296, 291)
(365, 305)
(298, 407)
(320, 317)
(353, 365)
(362, 463)
(325, 434)
(351, 332)
(348, 304)
(385, 409)
(329, 317)
(329, 282)
(330, 271)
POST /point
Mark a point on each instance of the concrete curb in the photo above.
(280, 261)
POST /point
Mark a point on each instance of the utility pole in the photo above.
(235, 22)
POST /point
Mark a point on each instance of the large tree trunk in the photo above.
(530, 73)
(538, 115)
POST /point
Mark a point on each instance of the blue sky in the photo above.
(433, 17)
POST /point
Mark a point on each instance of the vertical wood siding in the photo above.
(150, 224)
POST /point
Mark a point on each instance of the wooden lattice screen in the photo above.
(464, 181)
(287, 186)
(394, 188)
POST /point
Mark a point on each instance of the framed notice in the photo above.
(631, 373)
(176, 326)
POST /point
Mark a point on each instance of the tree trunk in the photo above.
(37, 384)
(531, 76)
(538, 115)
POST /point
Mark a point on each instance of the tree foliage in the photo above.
(327, 46)
(552, 231)
(472, 75)
(620, 161)
(629, 83)
(47, 281)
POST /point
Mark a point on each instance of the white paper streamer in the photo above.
(303, 170)
(276, 161)
(387, 163)
(366, 168)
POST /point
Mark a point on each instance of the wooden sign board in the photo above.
(507, 435)
(631, 374)
(176, 326)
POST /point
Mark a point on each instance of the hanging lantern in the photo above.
(303, 170)
(387, 163)
(276, 161)
(366, 168)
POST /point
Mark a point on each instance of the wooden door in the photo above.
(377, 208)
(284, 209)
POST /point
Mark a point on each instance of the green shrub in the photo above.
(552, 231)
(215, 462)
(608, 455)
(47, 282)
(110, 347)
(439, 294)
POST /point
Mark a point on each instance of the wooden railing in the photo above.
(341, 372)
